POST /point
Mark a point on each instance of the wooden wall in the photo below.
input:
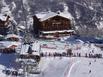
(4, 23)
(55, 23)
(4, 26)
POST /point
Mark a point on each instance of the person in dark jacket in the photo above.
(30, 49)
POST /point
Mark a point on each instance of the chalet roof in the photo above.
(1, 35)
(13, 35)
(41, 15)
(52, 14)
(3, 17)
(21, 27)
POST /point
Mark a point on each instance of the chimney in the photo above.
(58, 12)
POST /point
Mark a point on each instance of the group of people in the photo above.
(55, 54)
(70, 54)
(88, 55)
(48, 54)
(93, 55)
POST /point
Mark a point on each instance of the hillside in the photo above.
(87, 14)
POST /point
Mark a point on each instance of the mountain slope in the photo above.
(87, 14)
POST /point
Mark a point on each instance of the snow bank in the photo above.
(2, 67)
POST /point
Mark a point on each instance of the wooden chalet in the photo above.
(55, 25)
(4, 22)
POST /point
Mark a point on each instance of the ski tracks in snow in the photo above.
(69, 68)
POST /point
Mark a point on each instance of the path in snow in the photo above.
(55, 67)
(72, 66)
(87, 68)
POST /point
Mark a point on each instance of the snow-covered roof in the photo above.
(66, 15)
(2, 17)
(7, 44)
(48, 15)
(40, 15)
(36, 53)
(13, 35)
(1, 35)
(21, 27)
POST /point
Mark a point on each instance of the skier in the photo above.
(89, 63)
(30, 49)
(89, 71)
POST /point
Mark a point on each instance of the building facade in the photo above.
(55, 25)
(4, 22)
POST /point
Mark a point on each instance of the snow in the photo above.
(50, 14)
(54, 67)
(2, 67)
(53, 46)
(13, 35)
(77, 13)
(45, 47)
(72, 68)
(2, 74)
(36, 46)
(90, 7)
(7, 44)
(21, 27)
(40, 15)
(1, 35)
(99, 25)
(3, 2)
(66, 15)
(6, 10)
(2, 17)
(62, 66)
(82, 69)
(29, 21)
(46, 32)
(26, 5)
(24, 49)
(86, 48)
(13, 6)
